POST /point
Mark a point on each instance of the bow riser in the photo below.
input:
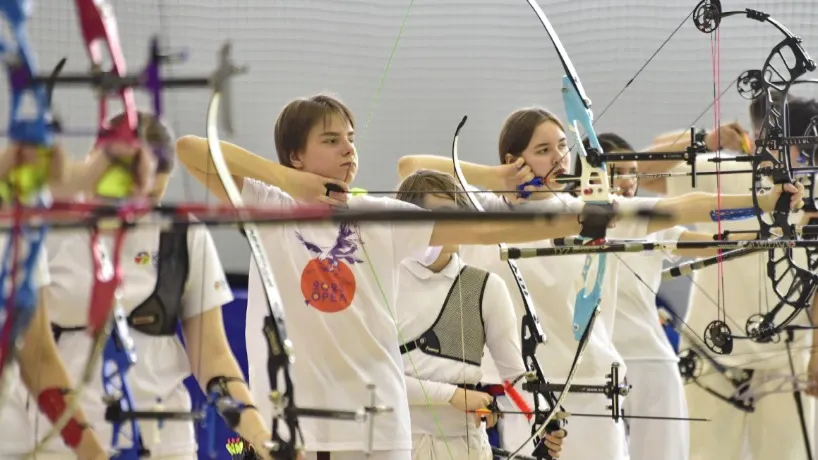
(98, 26)
(596, 192)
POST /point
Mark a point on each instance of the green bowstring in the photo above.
(359, 191)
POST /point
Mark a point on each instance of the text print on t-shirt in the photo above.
(327, 282)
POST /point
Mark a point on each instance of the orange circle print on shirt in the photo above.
(327, 282)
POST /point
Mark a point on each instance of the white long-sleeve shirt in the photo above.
(553, 283)
(431, 381)
(638, 335)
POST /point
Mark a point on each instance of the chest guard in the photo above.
(457, 333)
(159, 313)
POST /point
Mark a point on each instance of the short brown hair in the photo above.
(519, 128)
(422, 182)
(299, 117)
(158, 135)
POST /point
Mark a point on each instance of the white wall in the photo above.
(483, 58)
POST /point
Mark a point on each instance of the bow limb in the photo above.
(532, 336)
(99, 28)
(707, 16)
(595, 193)
(24, 183)
(787, 61)
(280, 346)
(594, 184)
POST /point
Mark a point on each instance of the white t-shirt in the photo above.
(638, 334)
(745, 279)
(554, 282)
(16, 435)
(431, 381)
(162, 363)
(339, 287)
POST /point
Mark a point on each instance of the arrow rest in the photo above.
(718, 337)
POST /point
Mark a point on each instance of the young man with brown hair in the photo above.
(339, 283)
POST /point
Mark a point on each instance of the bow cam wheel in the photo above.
(759, 330)
(707, 16)
(718, 337)
(690, 365)
(750, 84)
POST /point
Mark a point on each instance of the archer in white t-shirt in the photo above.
(737, 290)
(448, 313)
(190, 291)
(338, 283)
(533, 144)
(38, 368)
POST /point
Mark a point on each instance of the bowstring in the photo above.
(165, 41)
(716, 104)
(715, 57)
(720, 301)
(392, 313)
(460, 267)
(201, 406)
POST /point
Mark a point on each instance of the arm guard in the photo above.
(51, 402)
(229, 409)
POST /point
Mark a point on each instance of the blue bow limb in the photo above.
(20, 69)
(586, 301)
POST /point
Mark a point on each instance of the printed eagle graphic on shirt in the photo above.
(344, 249)
(327, 282)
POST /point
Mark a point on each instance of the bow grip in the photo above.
(596, 216)
(541, 451)
(780, 214)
